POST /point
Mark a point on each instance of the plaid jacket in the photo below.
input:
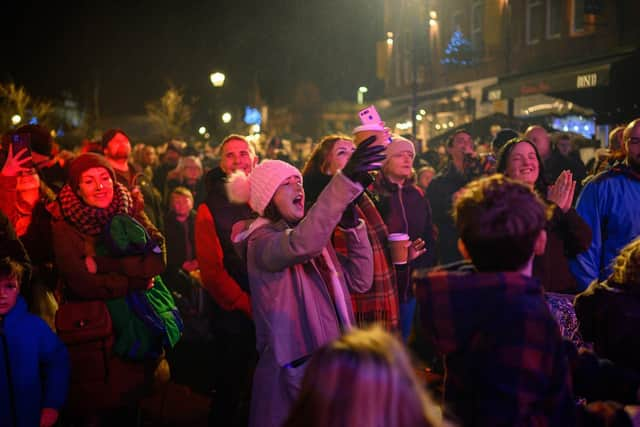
(504, 359)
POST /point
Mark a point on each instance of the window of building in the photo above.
(535, 21)
(554, 18)
(457, 21)
(477, 24)
(577, 16)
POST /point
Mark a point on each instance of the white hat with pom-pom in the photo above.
(258, 188)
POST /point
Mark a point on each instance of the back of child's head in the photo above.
(10, 270)
(499, 221)
(363, 378)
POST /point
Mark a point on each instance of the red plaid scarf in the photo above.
(380, 303)
(91, 220)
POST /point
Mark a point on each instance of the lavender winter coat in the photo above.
(291, 302)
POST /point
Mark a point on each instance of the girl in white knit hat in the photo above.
(299, 286)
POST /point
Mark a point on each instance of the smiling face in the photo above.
(118, 148)
(289, 199)
(522, 164)
(95, 187)
(338, 156)
(9, 291)
(237, 155)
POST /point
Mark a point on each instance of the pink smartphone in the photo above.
(370, 116)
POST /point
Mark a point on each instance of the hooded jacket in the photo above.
(296, 309)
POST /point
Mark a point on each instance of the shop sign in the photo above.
(586, 80)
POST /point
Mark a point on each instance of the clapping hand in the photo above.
(561, 193)
(15, 165)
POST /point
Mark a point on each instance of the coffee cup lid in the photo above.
(369, 127)
(398, 237)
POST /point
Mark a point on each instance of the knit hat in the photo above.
(399, 144)
(84, 162)
(258, 188)
(502, 138)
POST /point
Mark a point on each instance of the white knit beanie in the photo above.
(258, 188)
(399, 144)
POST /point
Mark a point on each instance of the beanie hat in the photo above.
(502, 138)
(84, 162)
(258, 188)
(41, 141)
(110, 134)
(399, 144)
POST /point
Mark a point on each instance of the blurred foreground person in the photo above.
(504, 357)
(609, 204)
(365, 379)
(299, 286)
(608, 311)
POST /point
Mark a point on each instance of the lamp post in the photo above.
(226, 117)
(16, 119)
(361, 91)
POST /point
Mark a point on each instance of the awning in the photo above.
(563, 79)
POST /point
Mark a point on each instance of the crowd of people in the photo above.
(371, 286)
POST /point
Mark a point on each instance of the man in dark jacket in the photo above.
(224, 275)
(504, 357)
(440, 194)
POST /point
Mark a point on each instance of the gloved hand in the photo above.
(349, 216)
(364, 160)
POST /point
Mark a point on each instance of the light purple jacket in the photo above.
(291, 303)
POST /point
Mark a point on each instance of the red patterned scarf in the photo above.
(91, 220)
(380, 303)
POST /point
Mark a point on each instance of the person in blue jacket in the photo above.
(34, 363)
(610, 205)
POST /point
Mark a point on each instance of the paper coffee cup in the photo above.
(399, 246)
(360, 135)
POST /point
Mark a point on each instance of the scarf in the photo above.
(91, 220)
(380, 303)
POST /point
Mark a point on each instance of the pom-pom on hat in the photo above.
(84, 162)
(399, 144)
(258, 188)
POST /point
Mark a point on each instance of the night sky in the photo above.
(131, 50)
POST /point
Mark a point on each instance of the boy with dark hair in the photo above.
(34, 362)
(503, 353)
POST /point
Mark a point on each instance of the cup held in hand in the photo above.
(365, 131)
(399, 246)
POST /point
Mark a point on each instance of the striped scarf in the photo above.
(91, 220)
(380, 303)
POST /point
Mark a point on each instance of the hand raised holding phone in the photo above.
(17, 163)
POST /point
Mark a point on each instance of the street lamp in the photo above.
(226, 117)
(202, 130)
(16, 119)
(217, 79)
(361, 91)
